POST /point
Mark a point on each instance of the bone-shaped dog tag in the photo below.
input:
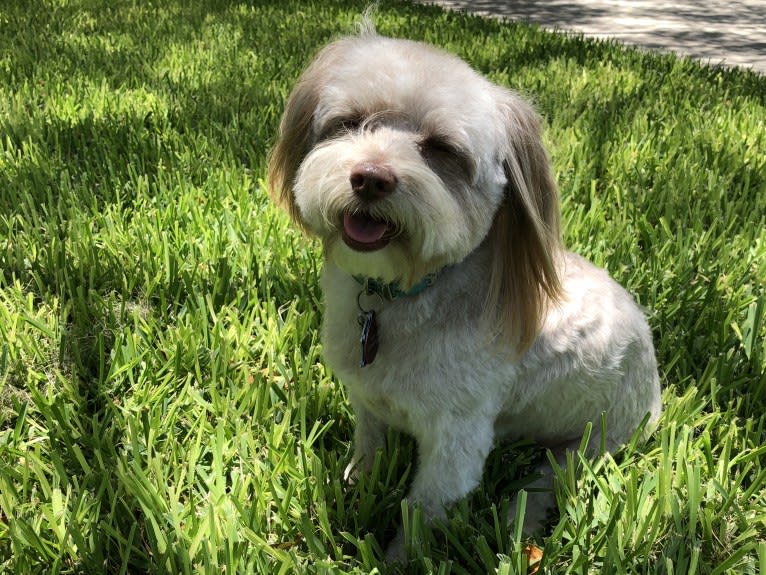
(369, 339)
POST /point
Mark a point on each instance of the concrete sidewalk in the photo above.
(731, 33)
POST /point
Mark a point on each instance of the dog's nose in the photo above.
(372, 182)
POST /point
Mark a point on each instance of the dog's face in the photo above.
(403, 160)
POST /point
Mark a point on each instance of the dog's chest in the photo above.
(378, 345)
(425, 363)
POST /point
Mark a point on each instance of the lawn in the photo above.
(164, 406)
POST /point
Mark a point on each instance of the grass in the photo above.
(164, 407)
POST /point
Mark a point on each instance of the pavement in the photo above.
(727, 33)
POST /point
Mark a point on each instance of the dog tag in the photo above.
(369, 339)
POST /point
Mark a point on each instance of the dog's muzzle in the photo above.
(362, 232)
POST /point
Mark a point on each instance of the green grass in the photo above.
(164, 407)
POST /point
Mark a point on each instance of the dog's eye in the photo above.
(350, 124)
(339, 127)
(436, 144)
(444, 156)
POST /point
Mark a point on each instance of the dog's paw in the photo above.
(396, 552)
(361, 462)
(356, 469)
(539, 504)
(351, 473)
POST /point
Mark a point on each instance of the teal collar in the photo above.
(392, 290)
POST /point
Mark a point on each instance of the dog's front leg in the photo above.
(369, 436)
(451, 462)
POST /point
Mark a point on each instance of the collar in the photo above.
(392, 290)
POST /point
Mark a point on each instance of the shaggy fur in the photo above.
(406, 162)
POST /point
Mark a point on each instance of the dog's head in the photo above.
(403, 160)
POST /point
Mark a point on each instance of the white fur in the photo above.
(442, 374)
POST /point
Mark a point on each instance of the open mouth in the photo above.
(364, 233)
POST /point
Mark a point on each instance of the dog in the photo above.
(452, 312)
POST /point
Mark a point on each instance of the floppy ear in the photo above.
(525, 236)
(295, 138)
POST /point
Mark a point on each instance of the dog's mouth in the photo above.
(364, 233)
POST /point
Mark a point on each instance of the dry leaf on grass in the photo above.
(534, 555)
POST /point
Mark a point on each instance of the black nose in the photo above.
(372, 182)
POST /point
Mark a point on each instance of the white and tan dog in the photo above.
(453, 313)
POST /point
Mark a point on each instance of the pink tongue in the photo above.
(362, 229)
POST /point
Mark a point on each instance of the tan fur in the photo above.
(295, 137)
(525, 236)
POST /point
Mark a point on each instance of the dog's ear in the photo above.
(525, 235)
(296, 136)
